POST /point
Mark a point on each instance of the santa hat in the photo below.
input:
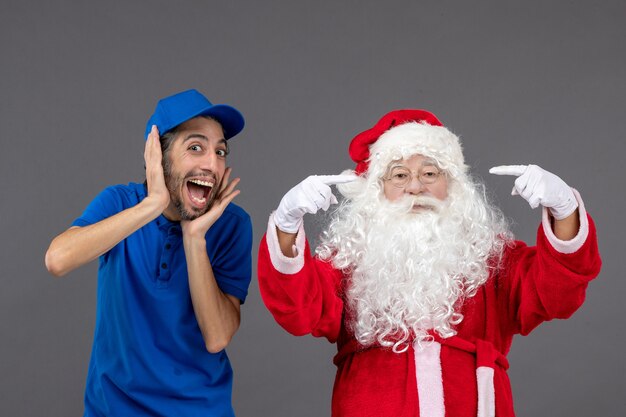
(402, 133)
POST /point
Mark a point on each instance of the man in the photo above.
(417, 278)
(174, 267)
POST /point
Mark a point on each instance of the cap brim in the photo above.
(229, 117)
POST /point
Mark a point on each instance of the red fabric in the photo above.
(535, 284)
(360, 146)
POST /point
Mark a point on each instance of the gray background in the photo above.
(521, 82)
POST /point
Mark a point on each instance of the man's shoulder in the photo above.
(234, 222)
(130, 188)
(131, 192)
(112, 200)
(236, 213)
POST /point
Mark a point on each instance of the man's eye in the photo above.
(195, 148)
(400, 175)
(430, 174)
(221, 152)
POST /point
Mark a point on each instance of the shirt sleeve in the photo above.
(104, 205)
(304, 295)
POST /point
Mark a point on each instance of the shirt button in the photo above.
(164, 265)
(167, 246)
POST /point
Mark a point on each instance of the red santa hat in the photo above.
(402, 133)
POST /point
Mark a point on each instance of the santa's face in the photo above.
(420, 170)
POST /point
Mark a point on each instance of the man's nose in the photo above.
(209, 161)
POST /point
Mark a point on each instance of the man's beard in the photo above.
(175, 184)
(409, 269)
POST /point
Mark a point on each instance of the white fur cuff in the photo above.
(282, 263)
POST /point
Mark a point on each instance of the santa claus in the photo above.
(417, 278)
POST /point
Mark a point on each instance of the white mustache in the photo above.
(409, 202)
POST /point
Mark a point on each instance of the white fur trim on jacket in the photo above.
(282, 263)
(429, 379)
(567, 246)
(486, 392)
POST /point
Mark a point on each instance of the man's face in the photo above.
(195, 166)
(417, 165)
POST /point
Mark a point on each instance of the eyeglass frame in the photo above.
(387, 176)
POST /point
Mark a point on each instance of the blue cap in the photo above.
(174, 110)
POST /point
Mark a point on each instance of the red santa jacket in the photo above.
(464, 375)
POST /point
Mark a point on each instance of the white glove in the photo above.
(538, 186)
(309, 196)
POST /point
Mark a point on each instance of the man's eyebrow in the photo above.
(202, 137)
(195, 136)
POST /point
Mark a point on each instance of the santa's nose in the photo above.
(414, 186)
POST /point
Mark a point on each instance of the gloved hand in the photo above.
(309, 196)
(538, 186)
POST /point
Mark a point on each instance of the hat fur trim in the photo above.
(408, 139)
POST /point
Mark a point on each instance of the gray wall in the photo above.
(521, 82)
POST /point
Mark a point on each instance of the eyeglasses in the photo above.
(400, 176)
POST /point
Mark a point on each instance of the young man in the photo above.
(174, 267)
(417, 278)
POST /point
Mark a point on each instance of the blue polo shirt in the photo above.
(148, 356)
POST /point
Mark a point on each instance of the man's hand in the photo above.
(155, 178)
(217, 313)
(309, 196)
(538, 186)
(225, 195)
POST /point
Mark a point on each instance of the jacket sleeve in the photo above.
(302, 293)
(549, 280)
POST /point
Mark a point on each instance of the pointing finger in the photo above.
(516, 170)
(336, 179)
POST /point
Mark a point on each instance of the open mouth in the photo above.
(199, 191)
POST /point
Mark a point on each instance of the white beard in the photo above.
(410, 271)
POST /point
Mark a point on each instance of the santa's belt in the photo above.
(428, 371)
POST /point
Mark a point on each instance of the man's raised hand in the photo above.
(155, 178)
